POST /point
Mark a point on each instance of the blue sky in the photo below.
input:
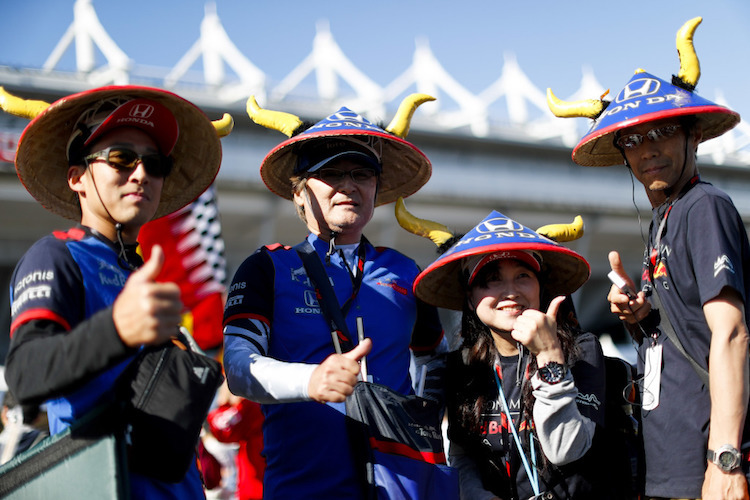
(552, 40)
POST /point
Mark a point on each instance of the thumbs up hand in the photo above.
(147, 312)
(334, 379)
(626, 309)
(537, 331)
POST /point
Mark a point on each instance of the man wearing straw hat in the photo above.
(82, 301)
(279, 348)
(690, 314)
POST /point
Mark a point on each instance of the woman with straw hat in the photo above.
(525, 390)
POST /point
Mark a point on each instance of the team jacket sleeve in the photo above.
(45, 361)
(250, 372)
(565, 434)
(566, 414)
(53, 349)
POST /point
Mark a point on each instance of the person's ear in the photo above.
(75, 175)
(299, 197)
(696, 133)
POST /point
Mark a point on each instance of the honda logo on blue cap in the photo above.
(497, 225)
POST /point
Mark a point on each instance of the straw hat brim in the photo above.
(42, 166)
(405, 168)
(440, 284)
(597, 149)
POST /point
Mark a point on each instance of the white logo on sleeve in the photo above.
(722, 263)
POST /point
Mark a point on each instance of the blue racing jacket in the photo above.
(64, 348)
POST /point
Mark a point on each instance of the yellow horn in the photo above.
(25, 108)
(224, 125)
(587, 108)
(286, 123)
(563, 232)
(399, 126)
(437, 232)
(690, 67)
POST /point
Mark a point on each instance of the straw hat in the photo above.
(644, 99)
(442, 283)
(405, 169)
(647, 98)
(42, 164)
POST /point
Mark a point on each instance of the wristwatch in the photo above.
(727, 458)
(552, 373)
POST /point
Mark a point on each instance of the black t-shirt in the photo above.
(703, 248)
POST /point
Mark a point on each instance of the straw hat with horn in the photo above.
(497, 236)
(645, 98)
(405, 168)
(60, 128)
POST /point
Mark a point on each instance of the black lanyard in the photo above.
(329, 304)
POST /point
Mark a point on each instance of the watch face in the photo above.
(726, 460)
(552, 372)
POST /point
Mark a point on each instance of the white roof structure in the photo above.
(337, 77)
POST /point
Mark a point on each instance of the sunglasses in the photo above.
(335, 175)
(125, 159)
(632, 141)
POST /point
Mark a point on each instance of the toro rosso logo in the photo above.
(498, 224)
(142, 111)
(639, 88)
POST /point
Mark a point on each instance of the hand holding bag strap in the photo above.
(666, 327)
(329, 304)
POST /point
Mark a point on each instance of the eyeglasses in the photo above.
(632, 141)
(335, 175)
(124, 159)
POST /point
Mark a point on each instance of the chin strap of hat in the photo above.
(122, 255)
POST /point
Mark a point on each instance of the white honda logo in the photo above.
(638, 88)
(499, 224)
(141, 111)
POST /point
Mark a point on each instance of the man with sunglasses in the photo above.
(82, 301)
(280, 349)
(695, 282)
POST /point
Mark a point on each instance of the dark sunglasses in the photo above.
(335, 175)
(124, 159)
(632, 141)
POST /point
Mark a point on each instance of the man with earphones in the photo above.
(82, 301)
(690, 314)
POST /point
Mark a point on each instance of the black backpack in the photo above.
(622, 437)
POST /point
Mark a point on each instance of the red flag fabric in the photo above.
(194, 249)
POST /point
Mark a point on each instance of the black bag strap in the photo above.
(665, 323)
(666, 327)
(329, 304)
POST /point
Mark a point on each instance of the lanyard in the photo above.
(530, 473)
(355, 277)
(325, 294)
